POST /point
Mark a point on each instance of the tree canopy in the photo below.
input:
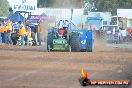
(100, 5)
(112, 5)
(59, 3)
(4, 7)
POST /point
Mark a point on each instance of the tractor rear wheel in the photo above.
(75, 42)
(89, 45)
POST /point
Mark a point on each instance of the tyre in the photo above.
(75, 42)
(89, 45)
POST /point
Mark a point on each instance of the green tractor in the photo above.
(58, 38)
(66, 38)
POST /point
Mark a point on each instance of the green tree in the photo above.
(4, 7)
(100, 5)
(59, 3)
(112, 5)
(44, 3)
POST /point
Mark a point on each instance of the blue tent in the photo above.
(43, 14)
(16, 17)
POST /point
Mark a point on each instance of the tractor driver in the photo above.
(61, 33)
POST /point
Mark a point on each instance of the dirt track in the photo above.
(33, 68)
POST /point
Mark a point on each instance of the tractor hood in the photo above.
(59, 41)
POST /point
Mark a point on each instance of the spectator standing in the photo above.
(4, 31)
(9, 31)
(0, 35)
(28, 30)
(39, 34)
(22, 33)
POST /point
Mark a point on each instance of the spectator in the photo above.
(9, 31)
(39, 34)
(22, 33)
(0, 35)
(14, 37)
(28, 30)
(3, 32)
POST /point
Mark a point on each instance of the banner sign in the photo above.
(24, 5)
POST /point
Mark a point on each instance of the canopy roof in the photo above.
(16, 17)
